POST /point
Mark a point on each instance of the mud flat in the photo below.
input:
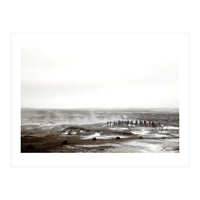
(99, 138)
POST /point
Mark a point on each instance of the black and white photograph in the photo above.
(101, 93)
(99, 99)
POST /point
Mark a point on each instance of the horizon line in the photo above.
(98, 108)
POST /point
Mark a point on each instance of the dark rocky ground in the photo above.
(99, 138)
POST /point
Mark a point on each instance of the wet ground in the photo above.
(99, 138)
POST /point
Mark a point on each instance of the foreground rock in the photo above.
(64, 142)
(30, 147)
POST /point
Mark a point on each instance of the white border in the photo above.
(95, 159)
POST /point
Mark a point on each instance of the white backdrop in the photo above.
(102, 16)
(59, 41)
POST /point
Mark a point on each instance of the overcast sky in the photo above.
(102, 71)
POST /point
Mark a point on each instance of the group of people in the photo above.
(131, 123)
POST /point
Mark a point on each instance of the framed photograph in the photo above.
(100, 99)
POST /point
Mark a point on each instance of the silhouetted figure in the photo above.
(154, 124)
(119, 122)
